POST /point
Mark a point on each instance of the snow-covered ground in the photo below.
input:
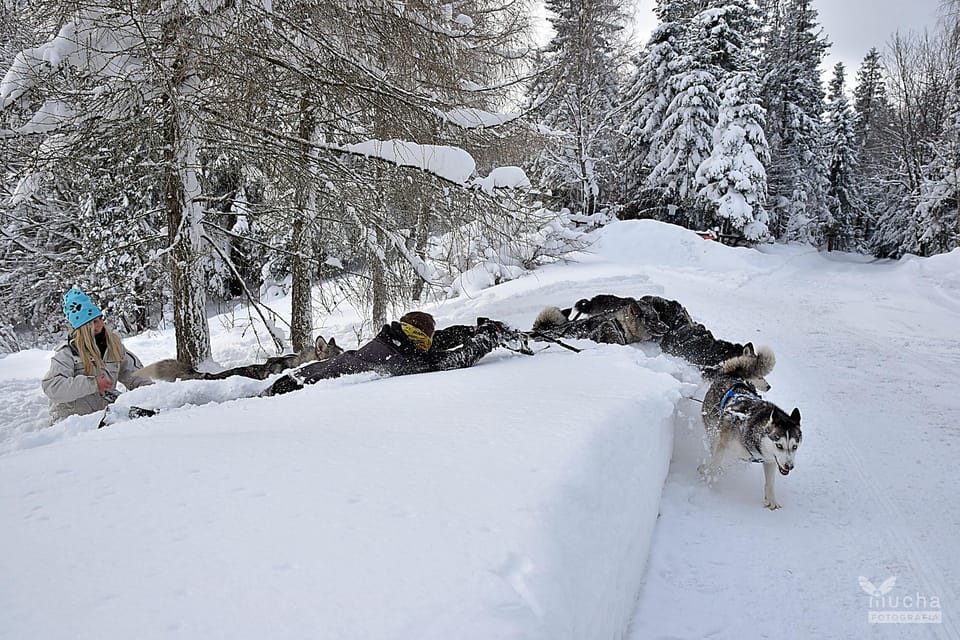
(518, 498)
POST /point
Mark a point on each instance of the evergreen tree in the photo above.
(577, 95)
(794, 101)
(646, 100)
(844, 204)
(685, 136)
(938, 211)
(720, 41)
(733, 176)
(876, 142)
(870, 100)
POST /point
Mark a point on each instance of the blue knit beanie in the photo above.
(79, 308)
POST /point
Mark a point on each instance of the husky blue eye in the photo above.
(780, 446)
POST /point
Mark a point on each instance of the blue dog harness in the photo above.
(739, 391)
(742, 391)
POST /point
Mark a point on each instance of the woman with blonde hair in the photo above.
(84, 370)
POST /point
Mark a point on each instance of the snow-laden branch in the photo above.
(87, 42)
(451, 163)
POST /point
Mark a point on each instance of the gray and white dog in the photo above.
(172, 370)
(740, 422)
(608, 322)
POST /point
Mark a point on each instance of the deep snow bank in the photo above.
(515, 499)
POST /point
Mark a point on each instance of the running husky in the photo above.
(173, 370)
(738, 420)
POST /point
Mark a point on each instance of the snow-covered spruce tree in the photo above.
(576, 95)
(871, 103)
(938, 209)
(645, 102)
(685, 137)
(733, 176)
(793, 97)
(839, 229)
(720, 42)
(876, 133)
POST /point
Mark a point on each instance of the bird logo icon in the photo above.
(877, 592)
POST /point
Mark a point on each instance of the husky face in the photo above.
(322, 349)
(782, 439)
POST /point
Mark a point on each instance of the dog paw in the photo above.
(709, 472)
(771, 503)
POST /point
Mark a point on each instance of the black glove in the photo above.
(493, 329)
(487, 322)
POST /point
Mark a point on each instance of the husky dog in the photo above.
(738, 420)
(172, 370)
(644, 310)
(633, 321)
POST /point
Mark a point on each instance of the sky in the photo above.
(526, 497)
(852, 26)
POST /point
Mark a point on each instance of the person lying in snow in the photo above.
(410, 345)
(615, 320)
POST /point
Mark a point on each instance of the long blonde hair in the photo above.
(85, 342)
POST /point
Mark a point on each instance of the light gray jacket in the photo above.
(71, 392)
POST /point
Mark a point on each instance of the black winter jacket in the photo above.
(392, 353)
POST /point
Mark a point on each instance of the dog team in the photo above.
(85, 369)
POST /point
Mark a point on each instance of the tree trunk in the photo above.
(421, 232)
(301, 240)
(184, 210)
(301, 300)
(378, 288)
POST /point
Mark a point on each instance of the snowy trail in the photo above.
(521, 498)
(869, 496)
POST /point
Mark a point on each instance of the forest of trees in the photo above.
(172, 156)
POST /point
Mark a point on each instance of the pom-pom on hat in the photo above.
(79, 308)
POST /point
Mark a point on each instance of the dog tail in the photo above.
(549, 317)
(766, 361)
(752, 364)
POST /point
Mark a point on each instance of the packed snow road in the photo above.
(869, 352)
